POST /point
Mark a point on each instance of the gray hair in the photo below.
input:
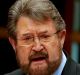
(35, 9)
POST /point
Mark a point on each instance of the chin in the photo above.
(38, 69)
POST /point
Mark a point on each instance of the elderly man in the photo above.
(37, 33)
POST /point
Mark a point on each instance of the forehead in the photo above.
(26, 24)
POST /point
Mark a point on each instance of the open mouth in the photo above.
(38, 58)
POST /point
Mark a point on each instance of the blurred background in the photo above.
(69, 10)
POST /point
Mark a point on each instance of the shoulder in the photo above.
(16, 72)
(78, 69)
(71, 68)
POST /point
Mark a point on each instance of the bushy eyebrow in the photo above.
(43, 32)
(31, 35)
(27, 34)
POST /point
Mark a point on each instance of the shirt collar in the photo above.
(60, 68)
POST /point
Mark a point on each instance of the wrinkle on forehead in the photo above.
(27, 25)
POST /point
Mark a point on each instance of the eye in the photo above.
(28, 38)
(45, 36)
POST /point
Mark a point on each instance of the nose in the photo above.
(37, 46)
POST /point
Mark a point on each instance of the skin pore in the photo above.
(35, 55)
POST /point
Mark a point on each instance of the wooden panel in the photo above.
(3, 33)
(76, 36)
(68, 16)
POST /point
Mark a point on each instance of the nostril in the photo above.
(37, 48)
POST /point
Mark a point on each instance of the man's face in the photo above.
(38, 50)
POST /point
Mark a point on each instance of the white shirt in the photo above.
(63, 62)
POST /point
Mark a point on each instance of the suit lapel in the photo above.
(70, 68)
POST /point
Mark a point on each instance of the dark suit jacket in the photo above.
(71, 68)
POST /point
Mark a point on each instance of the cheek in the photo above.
(22, 54)
(54, 50)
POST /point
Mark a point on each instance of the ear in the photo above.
(62, 35)
(13, 43)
